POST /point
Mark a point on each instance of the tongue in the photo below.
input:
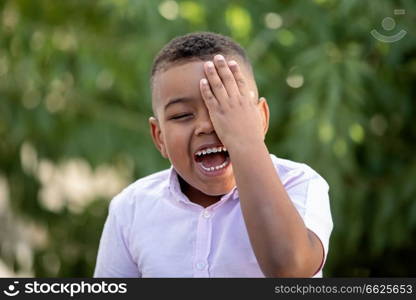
(213, 159)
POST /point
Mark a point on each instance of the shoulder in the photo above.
(294, 173)
(309, 192)
(143, 190)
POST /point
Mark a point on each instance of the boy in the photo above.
(226, 207)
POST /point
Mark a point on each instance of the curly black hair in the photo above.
(193, 46)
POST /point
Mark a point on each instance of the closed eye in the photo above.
(180, 116)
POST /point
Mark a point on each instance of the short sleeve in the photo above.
(317, 216)
(309, 193)
(114, 259)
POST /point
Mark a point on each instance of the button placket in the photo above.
(203, 244)
(200, 266)
(206, 214)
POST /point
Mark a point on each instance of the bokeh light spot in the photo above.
(356, 133)
(169, 9)
(295, 81)
(285, 37)
(239, 21)
(273, 20)
(192, 11)
(326, 132)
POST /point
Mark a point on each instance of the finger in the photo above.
(227, 77)
(215, 82)
(207, 95)
(239, 77)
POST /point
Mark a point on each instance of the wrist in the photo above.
(246, 149)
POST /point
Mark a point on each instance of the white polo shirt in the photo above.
(153, 230)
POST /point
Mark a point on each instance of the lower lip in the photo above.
(214, 173)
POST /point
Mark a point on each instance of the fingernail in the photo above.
(219, 57)
(232, 63)
(204, 81)
(209, 64)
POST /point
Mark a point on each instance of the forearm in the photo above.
(277, 233)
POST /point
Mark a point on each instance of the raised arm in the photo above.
(283, 246)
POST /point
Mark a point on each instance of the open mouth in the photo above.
(212, 159)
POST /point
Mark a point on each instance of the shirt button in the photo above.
(200, 266)
(206, 214)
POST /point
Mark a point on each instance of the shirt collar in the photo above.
(175, 189)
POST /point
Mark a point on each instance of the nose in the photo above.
(204, 124)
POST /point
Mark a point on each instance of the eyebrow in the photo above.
(176, 100)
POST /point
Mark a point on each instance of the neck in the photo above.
(196, 196)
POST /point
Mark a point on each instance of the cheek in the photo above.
(177, 143)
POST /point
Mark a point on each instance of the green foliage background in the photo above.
(74, 85)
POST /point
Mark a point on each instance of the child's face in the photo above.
(179, 139)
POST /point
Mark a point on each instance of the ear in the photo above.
(265, 113)
(157, 136)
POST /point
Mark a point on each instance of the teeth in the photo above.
(211, 150)
(216, 167)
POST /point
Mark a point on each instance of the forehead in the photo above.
(179, 80)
